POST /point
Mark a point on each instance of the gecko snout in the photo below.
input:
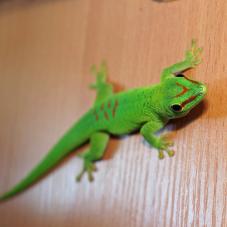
(203, 89)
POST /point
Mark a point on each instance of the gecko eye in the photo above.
(176, 107)
(180, 75)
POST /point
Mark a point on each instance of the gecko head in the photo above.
(181, 95)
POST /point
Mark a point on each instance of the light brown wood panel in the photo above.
(46, 49)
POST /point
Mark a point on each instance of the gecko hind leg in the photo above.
(102, 87)
(98, 144)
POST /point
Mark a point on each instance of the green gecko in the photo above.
(147, 109)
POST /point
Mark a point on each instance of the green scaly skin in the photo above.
(146, 109)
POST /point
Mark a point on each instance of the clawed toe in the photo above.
(166, 142)
(193, 55)
(161, 154)
(88, 167)
(169, 152)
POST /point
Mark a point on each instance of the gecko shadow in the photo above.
(194, 114)
(217, 96)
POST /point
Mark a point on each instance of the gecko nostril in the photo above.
(203, 90)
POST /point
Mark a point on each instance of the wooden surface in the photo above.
(46, 49)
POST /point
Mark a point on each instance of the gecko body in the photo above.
(146, 109)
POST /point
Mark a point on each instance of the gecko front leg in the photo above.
(161, 143)
(192, 59)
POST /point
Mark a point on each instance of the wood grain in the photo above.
(46, 49)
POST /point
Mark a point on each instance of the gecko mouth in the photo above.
(192, 98)
(197, 97)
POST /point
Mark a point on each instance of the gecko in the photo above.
(146, 109)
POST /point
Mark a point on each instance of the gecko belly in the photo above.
(123, 127)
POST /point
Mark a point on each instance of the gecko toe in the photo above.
(160, 154)
(170, 153)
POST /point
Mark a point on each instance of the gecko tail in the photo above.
(70, 141)
(48, 162)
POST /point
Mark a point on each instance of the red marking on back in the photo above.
(109, 104)
(106, 115)
(183, 91)
(188, 100)
(115, 108)
(96, 115)
(102, 107)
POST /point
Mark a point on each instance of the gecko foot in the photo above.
(101, 76)
(193, 56)
(165, 143)
(88, 167)
(169, 152)
(160, 154)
